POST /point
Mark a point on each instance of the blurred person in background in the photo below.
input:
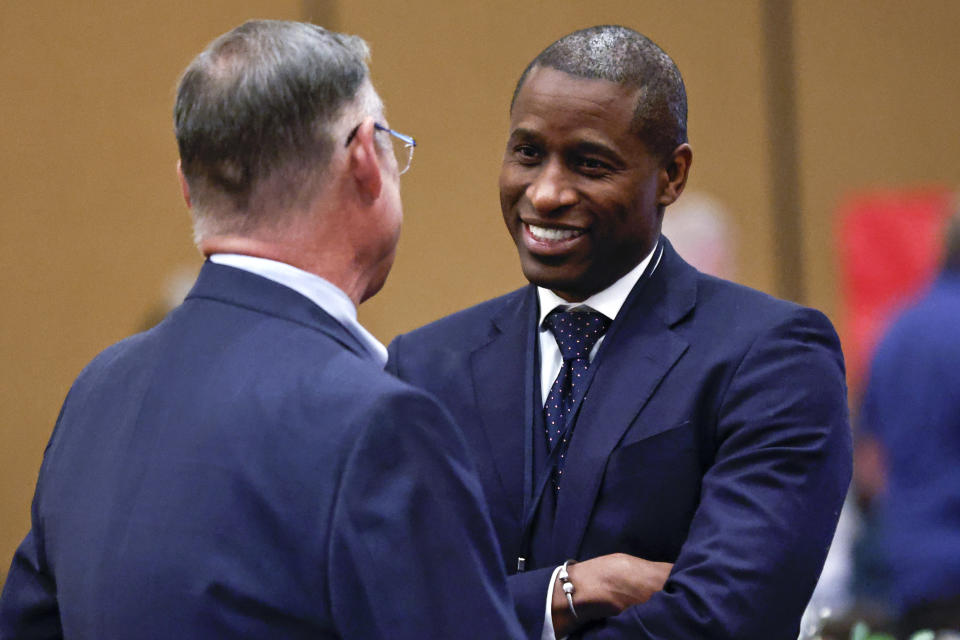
(702, 231)
(246, 468)
(909, 450)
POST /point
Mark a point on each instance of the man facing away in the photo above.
(911, 413)
(626, 410)
(246, 468)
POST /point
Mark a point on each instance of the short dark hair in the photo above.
(256, 106)
(621, 55)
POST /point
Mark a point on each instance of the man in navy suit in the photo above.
(624, 409)
(246, 468)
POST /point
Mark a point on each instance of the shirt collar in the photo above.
(321, 292)
(609, 301)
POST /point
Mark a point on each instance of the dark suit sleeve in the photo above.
(28, 605)
(529, 589)
(770, 500)
(412, 551)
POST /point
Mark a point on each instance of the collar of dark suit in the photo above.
(237, 287)
(670, 292)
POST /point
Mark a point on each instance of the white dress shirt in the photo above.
(608, 302)
(321, 292)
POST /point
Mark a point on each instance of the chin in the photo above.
(562, 284)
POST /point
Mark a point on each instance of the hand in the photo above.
(605, 586)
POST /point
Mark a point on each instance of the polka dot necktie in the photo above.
(576, 333)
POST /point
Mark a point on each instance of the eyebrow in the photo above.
(578, 146)
(520, 132)
(588, 146)
(595, 147)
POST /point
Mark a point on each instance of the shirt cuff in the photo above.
(548, 632)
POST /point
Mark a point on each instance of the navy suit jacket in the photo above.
(714, 435)
(245, 470)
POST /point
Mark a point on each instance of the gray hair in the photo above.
(255, 118)
(622, 55)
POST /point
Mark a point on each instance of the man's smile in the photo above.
(542, 239)
(552, 234)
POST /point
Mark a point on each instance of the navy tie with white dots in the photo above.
(576, 333)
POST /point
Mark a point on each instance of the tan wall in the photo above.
(91, 218)
(879, 106)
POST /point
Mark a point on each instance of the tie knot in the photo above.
(576, 331)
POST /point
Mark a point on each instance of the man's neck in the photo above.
(608, 301)
(333, 265)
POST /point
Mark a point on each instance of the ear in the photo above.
(184, 187)
(674, 174)
(364, 164)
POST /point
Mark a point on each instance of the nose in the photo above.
(551, 189)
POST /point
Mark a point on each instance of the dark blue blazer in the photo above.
(714, 435)
(245, 470)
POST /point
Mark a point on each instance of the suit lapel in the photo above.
(639, 350)
(502, 371)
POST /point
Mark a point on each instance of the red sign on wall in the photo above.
(891, 242)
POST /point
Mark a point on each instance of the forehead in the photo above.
(554, 102)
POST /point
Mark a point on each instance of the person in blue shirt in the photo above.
(911, 412)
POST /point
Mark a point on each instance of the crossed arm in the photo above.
(605, 586)
(768, 508)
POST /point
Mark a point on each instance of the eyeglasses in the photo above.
(403, 146)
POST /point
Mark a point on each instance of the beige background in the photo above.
(93, 227)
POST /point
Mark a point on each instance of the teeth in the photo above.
(553, 235)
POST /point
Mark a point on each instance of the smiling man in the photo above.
(560, 123)
(626, 410)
